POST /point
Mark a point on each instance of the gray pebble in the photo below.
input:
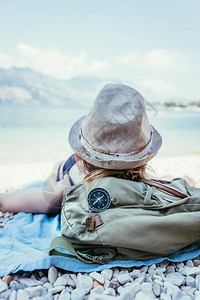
(191, 271)
(48, 285)
(152, 272)
(180, 265)
(60, 281)
(105, 297)
(12, 284)
(160, 270)
(149, 278)
(181, 270)
(133, 289)
(184, 297)
(164, 296)
(5, 221)
(106, 284)
(193, 290)
(85, 282)
(139, 280)
(152, 267)
(187, 289)
(19, 286)
(120, 290)
(3, 286)
(59, 274)
(170, 269)
(142, 296)
(13, 295)
(34, 291)
(175, 278)
(170, 288)
(123, 271)
(69, 289)
(44, 291)
(22, 295)
(69, 281)
(197, 297)
(127, 284)
(157, 289)
(41, 274)
(197, 282)
(178, 295)
(64, 295)
(30, 282)
(146, 288)
(123, 278)
(98, 277)
(110, 292)
(189, 263)
(49, 296)
(115, 272)
(6, 294)
(135, 274)
(56, 289)
(190, 281)
(160, 283)
(114, 284)
(52, 274)
(16, 277)
(107, 274)
(144, 269)
(78, 294)
(125, 296)
(97, 290)
(44, 279)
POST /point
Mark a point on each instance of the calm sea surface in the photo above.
(39, 133)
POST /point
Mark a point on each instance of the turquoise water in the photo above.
(39, 133)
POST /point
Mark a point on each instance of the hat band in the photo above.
(98, 154)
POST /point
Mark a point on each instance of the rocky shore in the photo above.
(165, 281)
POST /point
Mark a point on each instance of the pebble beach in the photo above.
(163, 281)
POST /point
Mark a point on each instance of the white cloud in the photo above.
(5, 61)
(164, 59)
(157, 85)
(58, 64)
(157, 60)
(160, 73)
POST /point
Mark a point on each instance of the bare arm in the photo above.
(46, 199)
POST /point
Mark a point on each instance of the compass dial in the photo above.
(99, 199)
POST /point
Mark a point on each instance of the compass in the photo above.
(99, 199)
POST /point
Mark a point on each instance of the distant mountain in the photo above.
(22, 85)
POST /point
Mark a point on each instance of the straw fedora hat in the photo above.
(116, 133)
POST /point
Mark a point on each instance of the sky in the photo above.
(153, 45)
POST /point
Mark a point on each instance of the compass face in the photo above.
(99, 199)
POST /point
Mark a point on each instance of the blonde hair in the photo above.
(94, 172)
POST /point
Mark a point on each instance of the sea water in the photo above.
(38, 133)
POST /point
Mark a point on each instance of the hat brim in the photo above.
(112, 163)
